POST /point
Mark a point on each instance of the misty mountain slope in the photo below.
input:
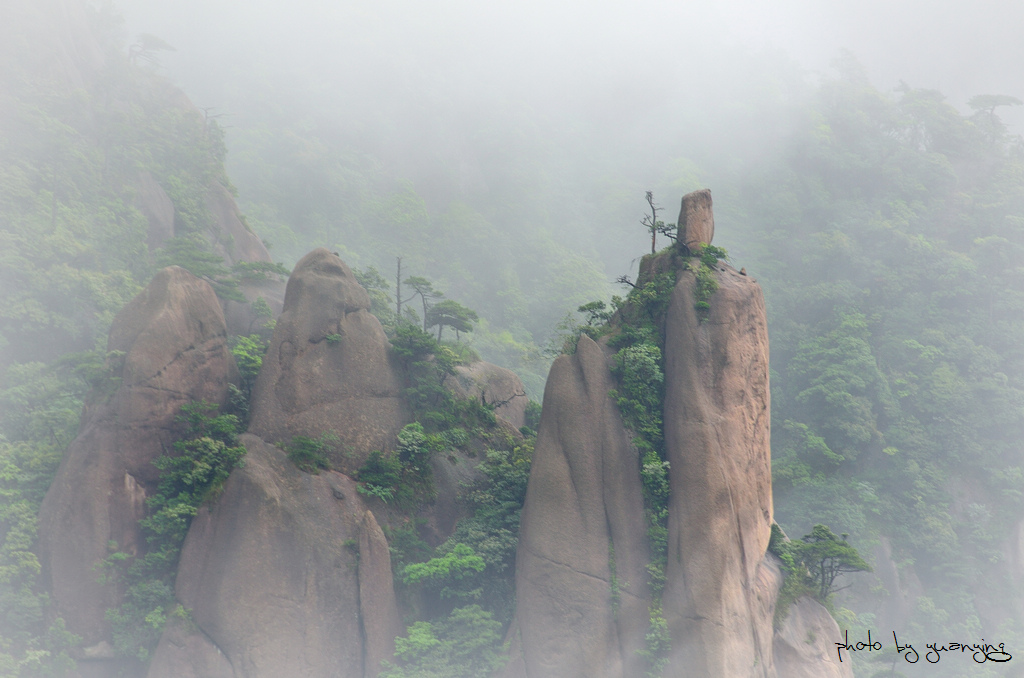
(888, 241)
(105, 163)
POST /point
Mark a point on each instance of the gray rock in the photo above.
(231, 237)
(495, 385)
(717, 439)
(805, 645)
(157, 208)
(286, 574)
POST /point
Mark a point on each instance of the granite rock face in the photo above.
(156, 206)
(231, 236)
(805, 646)
(171, 350)
(286, 574)
(329, 367)
(583, 517)
(696, 223)
(584, 504)
(493, 385)
(717, 440)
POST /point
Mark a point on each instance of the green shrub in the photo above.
(380, 475)
(202, 462)
(465, 644)
(310, 454)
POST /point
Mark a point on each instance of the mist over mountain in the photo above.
(405, 287)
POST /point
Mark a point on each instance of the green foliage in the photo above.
(532, 417)
(380, 475)
(449, 573)
(404, 475)
(569, 330)
(641, 392)
(796, 579)
(424, 289)
(427, 365)
(492, 530)
(451, 314)
(466, 644)
(258, 271)
(193, 253)
(812, 565)
(704, 276)
(203, 460)
(248, 352)
(382, 303)
(39, 416)
(310, 454)
(658, 643)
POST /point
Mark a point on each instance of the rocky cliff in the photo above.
(285, 572)
(583, 602)
(168, 348)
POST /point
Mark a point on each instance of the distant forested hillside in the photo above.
(889, 239)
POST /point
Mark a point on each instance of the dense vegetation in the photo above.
(196, 471)
(888, 239)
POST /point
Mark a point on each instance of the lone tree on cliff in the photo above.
(426, 292)
(650, 221)
(653, 226)
(827, 556)
(449, 313)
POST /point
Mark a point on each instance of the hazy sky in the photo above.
(959, 48)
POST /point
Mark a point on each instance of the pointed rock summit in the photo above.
(582, 541)
(584, 607)
(284, 570)
(329, 367)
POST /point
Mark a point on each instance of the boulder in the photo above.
(494, 385)
(583, 516)
(186, 652)
(329, 367)
(805, 646)
(716, 421)
(172, 350)
(286, 574)
(696, 223)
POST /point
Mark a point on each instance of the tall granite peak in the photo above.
(582, 538)
(716, 419)
(168, 348)
(329, 367)
(584, 608)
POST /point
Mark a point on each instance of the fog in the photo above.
(588, 90)
(504, 150)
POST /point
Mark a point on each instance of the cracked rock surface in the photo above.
(170, 348)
